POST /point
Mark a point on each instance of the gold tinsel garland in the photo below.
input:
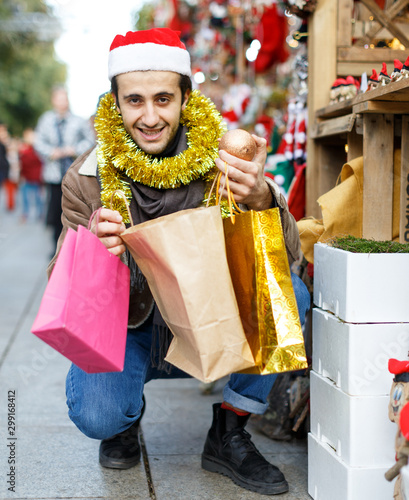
(119, 158)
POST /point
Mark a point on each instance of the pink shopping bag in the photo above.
(84, 309)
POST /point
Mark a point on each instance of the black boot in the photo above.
(122, 451)
(229, 450)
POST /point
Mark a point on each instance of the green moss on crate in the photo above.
(360, 245)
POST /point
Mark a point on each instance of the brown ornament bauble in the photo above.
(239, 143)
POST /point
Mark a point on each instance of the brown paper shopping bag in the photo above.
(183, 258)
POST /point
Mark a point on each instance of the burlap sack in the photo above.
(341, 208)
(310, 230)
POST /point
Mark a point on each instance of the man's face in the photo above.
(150, 103)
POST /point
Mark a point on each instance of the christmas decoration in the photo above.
(272, 32)
(396, 74)
(296, 193)
(119, 157)
(239, 143)
(343, 89)
(264, 127)
(288, 137)
(373, 80)
(300, 8)
(335, 91)
(182, 21)
(384, 78)
(399, 413)
(281, 171)
(350, 89)
(235, 103)
(405, 68)
(300, 130)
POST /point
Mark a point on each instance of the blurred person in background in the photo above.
(60, 138)
(4, 163)
(30, 177)
(10, 181)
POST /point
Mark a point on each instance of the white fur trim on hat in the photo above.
(148, 57)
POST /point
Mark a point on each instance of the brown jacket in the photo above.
(81, 197)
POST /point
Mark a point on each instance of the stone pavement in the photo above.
(53, 460)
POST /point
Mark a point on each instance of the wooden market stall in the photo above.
(372, 124)
(349, 37)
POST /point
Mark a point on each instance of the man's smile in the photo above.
(150, 134)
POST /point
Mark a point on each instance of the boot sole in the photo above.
(212, 464)
(112, 463)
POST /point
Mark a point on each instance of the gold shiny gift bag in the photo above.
(262, 283)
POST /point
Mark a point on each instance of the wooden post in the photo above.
(355, 145)
(378, 176)
(344, 30)
(331, 159)
(404, 183)
(322, 60)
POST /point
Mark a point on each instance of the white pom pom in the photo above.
(279, 179)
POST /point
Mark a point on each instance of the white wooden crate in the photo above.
(329, 478)
(355, 356)
(361, 288)
(356, 427)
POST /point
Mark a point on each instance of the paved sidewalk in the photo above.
(53, 460)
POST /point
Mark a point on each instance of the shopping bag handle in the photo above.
(230, 196)
(122, 194)
(96, 214)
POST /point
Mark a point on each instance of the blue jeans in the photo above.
(104, 404)
(31, 194)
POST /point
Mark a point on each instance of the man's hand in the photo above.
(56, 154)
(109, 229)
(246, 178)
(65, 152)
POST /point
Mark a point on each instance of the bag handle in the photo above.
(122, 195)
(216, 182)
(96, 214)
(230, 196)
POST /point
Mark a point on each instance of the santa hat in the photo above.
(157, 49)
(374, 77)
(397, 65)
(383, 75)
(339, 82)
(350, 80)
